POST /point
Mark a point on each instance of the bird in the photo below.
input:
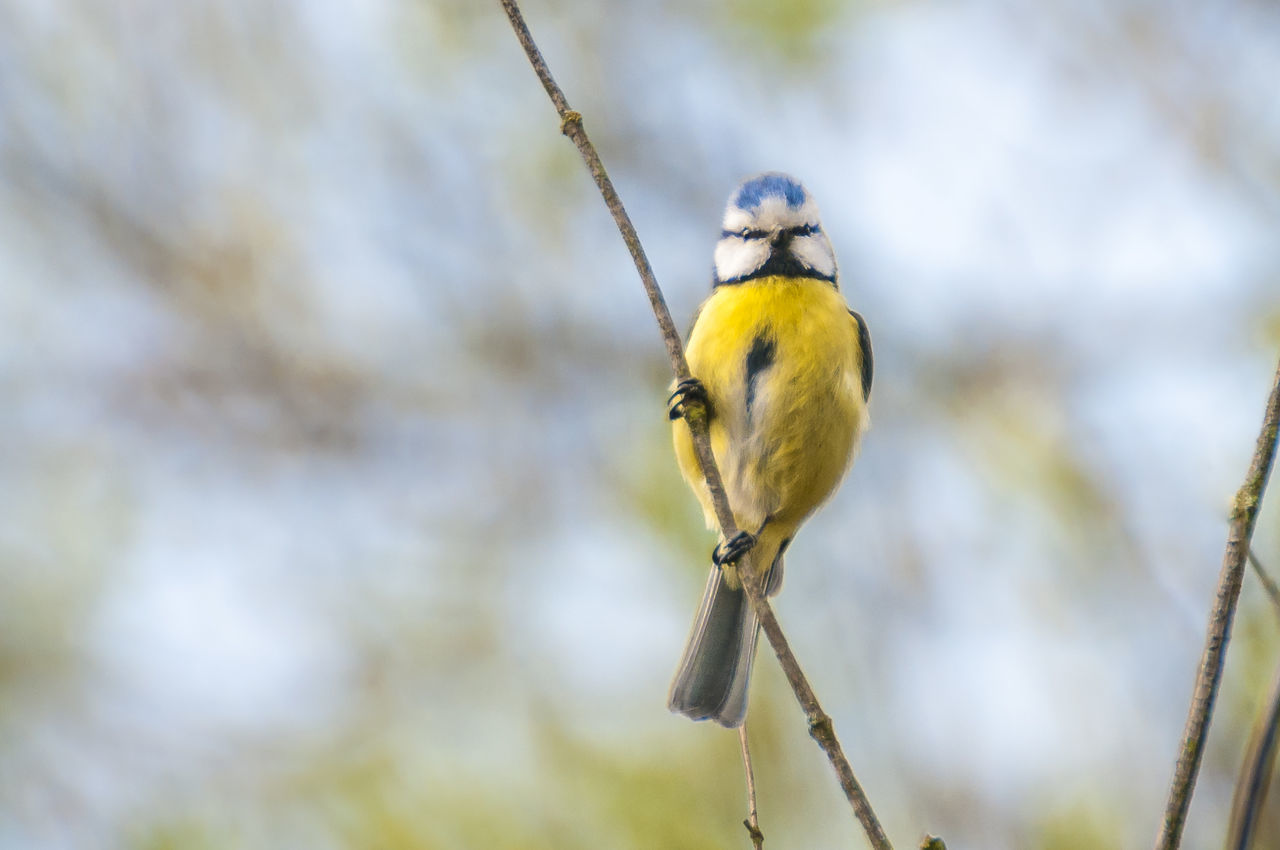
(784, 368)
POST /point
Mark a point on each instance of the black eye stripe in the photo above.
(802, 230)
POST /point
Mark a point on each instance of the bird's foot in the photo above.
(690, 389)
(731, 551)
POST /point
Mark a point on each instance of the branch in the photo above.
(820, 727)
(1244, 514)
(696, 415)
(752, 823)
(1255, 774)
(1260, 754)
(1268, 583)
(571, 126)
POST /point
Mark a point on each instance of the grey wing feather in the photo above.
(868, 361)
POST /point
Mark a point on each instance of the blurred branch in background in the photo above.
(695, 414)
(752, 823)
(1244, 515)
(1260, 754)
(1265, 579)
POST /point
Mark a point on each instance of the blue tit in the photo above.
(784, 367)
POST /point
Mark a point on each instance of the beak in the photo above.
(780, 241)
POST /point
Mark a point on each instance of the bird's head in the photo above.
(771, 227)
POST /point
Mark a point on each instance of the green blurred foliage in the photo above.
(1085, 823)
(792, 32)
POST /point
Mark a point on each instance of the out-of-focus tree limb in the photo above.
(1260, 754)
(1244, 515)
(695, 413)
(1255, 773)
(1268, 583)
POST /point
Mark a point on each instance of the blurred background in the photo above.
(337, 506)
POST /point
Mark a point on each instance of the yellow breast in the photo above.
(781, 363)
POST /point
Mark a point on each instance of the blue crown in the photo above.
(755, 190)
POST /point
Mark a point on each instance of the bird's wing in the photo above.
(868, 362)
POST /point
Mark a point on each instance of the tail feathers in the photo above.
(711, 682)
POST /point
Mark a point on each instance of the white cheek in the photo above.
(736, 219)
(815, 252)
(736, 257)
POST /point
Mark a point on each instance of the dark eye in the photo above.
(744, 233)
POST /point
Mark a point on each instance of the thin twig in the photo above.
(1268, 583)
(696, 416)
(1244, 515)
(820, 726)
(752, 823)
(571, 125)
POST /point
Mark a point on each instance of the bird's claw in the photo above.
(732, 550)
(690, 389)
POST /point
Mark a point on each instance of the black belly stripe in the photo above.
(759, 358)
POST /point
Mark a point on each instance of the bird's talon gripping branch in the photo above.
(731, 551)
(690, 389)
